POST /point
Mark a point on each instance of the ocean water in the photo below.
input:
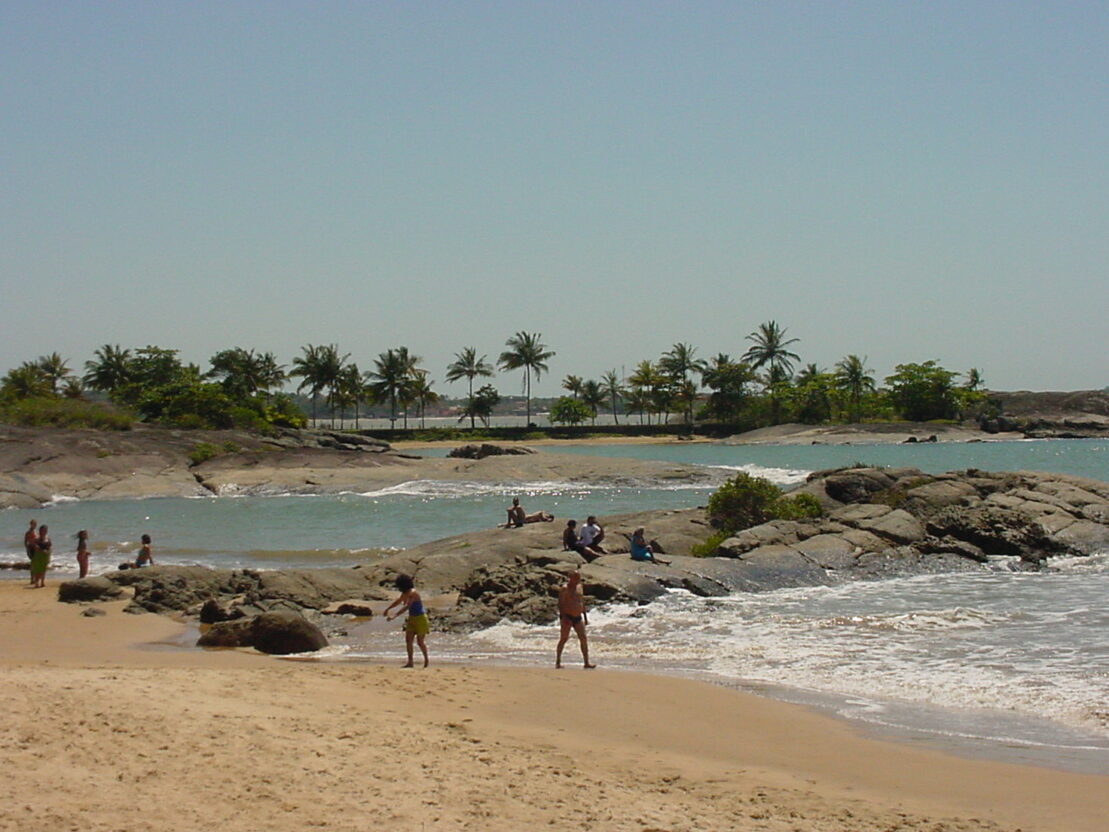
(1005, 663)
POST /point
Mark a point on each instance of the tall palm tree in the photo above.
(526, 350)
(110, 371)
(853, 378)
(610, 382)
(54, 369)
(572, 384)
(769, 350)
(678, 363)
(467, 365)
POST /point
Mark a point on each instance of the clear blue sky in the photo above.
(899, 180)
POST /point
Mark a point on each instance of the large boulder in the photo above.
(282, 633)
(88, 589)
(279, 633)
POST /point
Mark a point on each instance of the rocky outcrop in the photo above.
(485, 449)
(277, 633)
(876, 523)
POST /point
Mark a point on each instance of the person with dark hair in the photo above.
(145, 558)
(416, 626)
(40, 560)
(572, 616)
(592, 533)
(571, 542)
(83, 553)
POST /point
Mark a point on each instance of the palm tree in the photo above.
(243, 373)
(349, 392)
(610, 382)
(73, 389)
(310, 367)
(525, 349)
(572, 384)
(389, 378)
(678, 363)
(481, 405)
(854, 379)
(728, 380)
(54, 369)
(593, 396)
(467, 365)
(770, 351)
(646, 381)
(25, 381)
(422, 392)
(110, 371)
(974, 379)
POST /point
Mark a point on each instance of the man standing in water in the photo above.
(571, 614)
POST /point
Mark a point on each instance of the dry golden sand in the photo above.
(100, 734)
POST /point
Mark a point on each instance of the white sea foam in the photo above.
(779, 476)
(58, 499)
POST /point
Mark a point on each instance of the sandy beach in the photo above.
(109, 726)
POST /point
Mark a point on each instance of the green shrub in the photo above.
(65, 413)
(708, 547)
(745, 501)
(797, 507)
(203, 451)
(742, 502)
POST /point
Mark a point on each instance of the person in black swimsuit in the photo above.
(571, 615)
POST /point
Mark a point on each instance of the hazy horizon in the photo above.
(899, 181)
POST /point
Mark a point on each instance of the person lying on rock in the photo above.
(641, 550)
(517, 517)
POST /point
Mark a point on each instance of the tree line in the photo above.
(244, 388)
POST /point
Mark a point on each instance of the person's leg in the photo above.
(423, 647)
(408, 639)
(563, 637)
(583, 640)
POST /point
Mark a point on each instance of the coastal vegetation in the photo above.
(745, 501)
(245, 389)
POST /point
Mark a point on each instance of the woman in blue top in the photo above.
(641, 550)
(416, 626)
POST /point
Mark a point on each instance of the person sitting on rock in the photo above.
(592, 533)
(641, 550)
(571, 542)
(145, 558)
(517, 517)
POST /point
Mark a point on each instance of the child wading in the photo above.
(416, 626)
